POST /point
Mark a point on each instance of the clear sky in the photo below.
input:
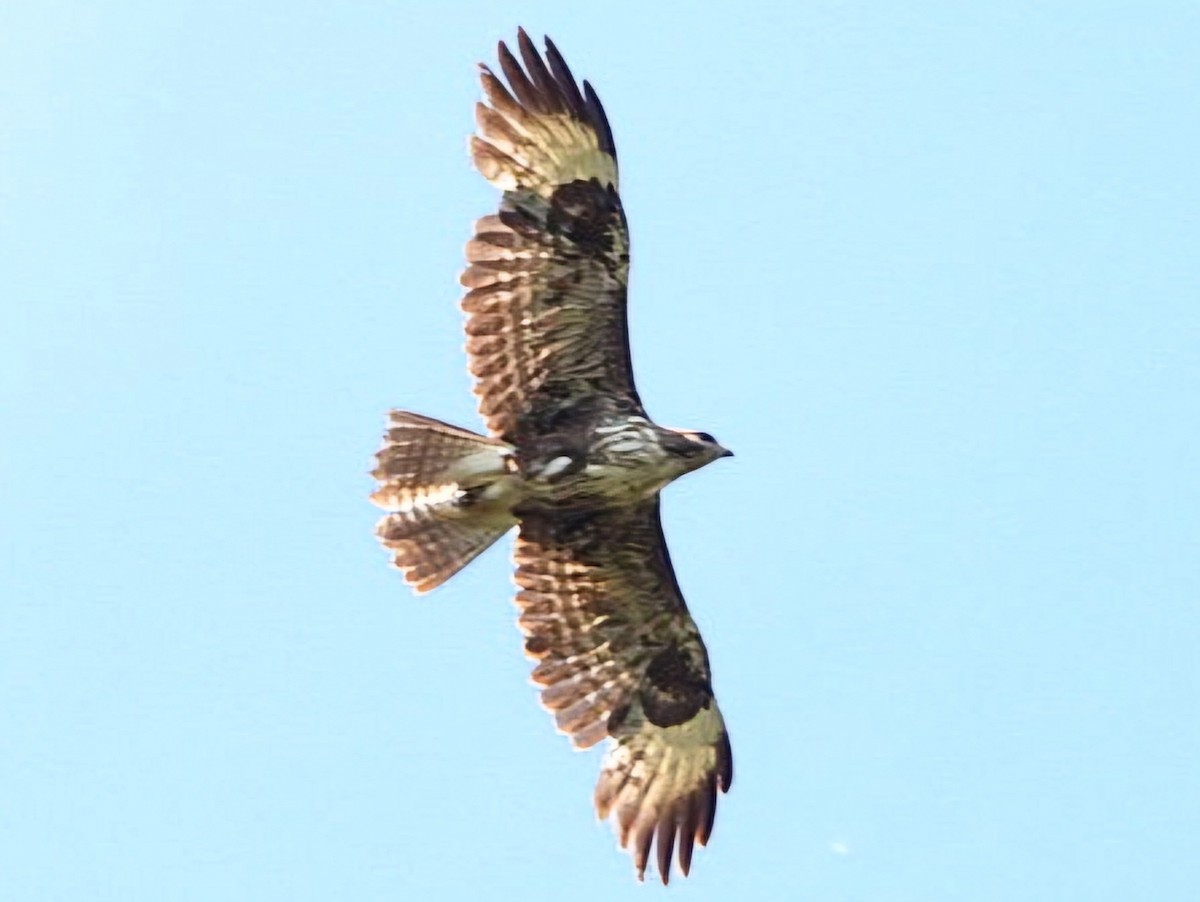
(930, 269)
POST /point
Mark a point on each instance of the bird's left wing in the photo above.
(548, 271)
(620, 657)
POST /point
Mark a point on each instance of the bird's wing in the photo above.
(547, 277)
(619, 657)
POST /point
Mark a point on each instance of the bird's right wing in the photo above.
(621, 658)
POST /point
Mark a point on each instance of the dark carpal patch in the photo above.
(588, 215)
(547, 326)
(674, 689)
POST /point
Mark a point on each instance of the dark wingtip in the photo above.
(689, 815)
(725, 763)
(523, 39)
(665, 843)
(561, 73)
(599, 119)
(547, 85)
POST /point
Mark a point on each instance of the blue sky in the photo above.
(930, 269)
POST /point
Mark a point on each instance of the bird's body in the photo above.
(572, 460)
(618, 460)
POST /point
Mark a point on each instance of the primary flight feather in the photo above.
(572, 460)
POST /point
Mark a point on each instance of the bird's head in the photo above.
(693, 448)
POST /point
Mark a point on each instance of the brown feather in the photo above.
(565, 80)
(555, 260)
(601, 609)
(547, 90)
(521, 86)
(499, 96)
(419, 468)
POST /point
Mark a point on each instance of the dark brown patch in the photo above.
(586, 214)
(537, 646)
(674, 689)
(559, 422)
(617, 719)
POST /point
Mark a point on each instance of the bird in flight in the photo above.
(572, 460)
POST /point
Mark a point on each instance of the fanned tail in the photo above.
(449, 492)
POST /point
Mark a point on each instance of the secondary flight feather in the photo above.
(572, 460)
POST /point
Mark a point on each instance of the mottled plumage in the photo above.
(548, 272)
(573, 460)
(620, 658)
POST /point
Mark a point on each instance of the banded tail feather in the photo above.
(447, 493)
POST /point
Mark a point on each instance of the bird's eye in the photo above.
(705, 437)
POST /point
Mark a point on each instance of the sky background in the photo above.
(930, 269)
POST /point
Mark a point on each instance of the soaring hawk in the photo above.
(572, 460)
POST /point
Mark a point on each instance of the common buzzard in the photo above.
(572, 460)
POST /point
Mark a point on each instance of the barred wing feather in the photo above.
(548, 272)
(619, 657)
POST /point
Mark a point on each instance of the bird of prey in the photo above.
(572, 460)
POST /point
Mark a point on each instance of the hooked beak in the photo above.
(725, 452)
